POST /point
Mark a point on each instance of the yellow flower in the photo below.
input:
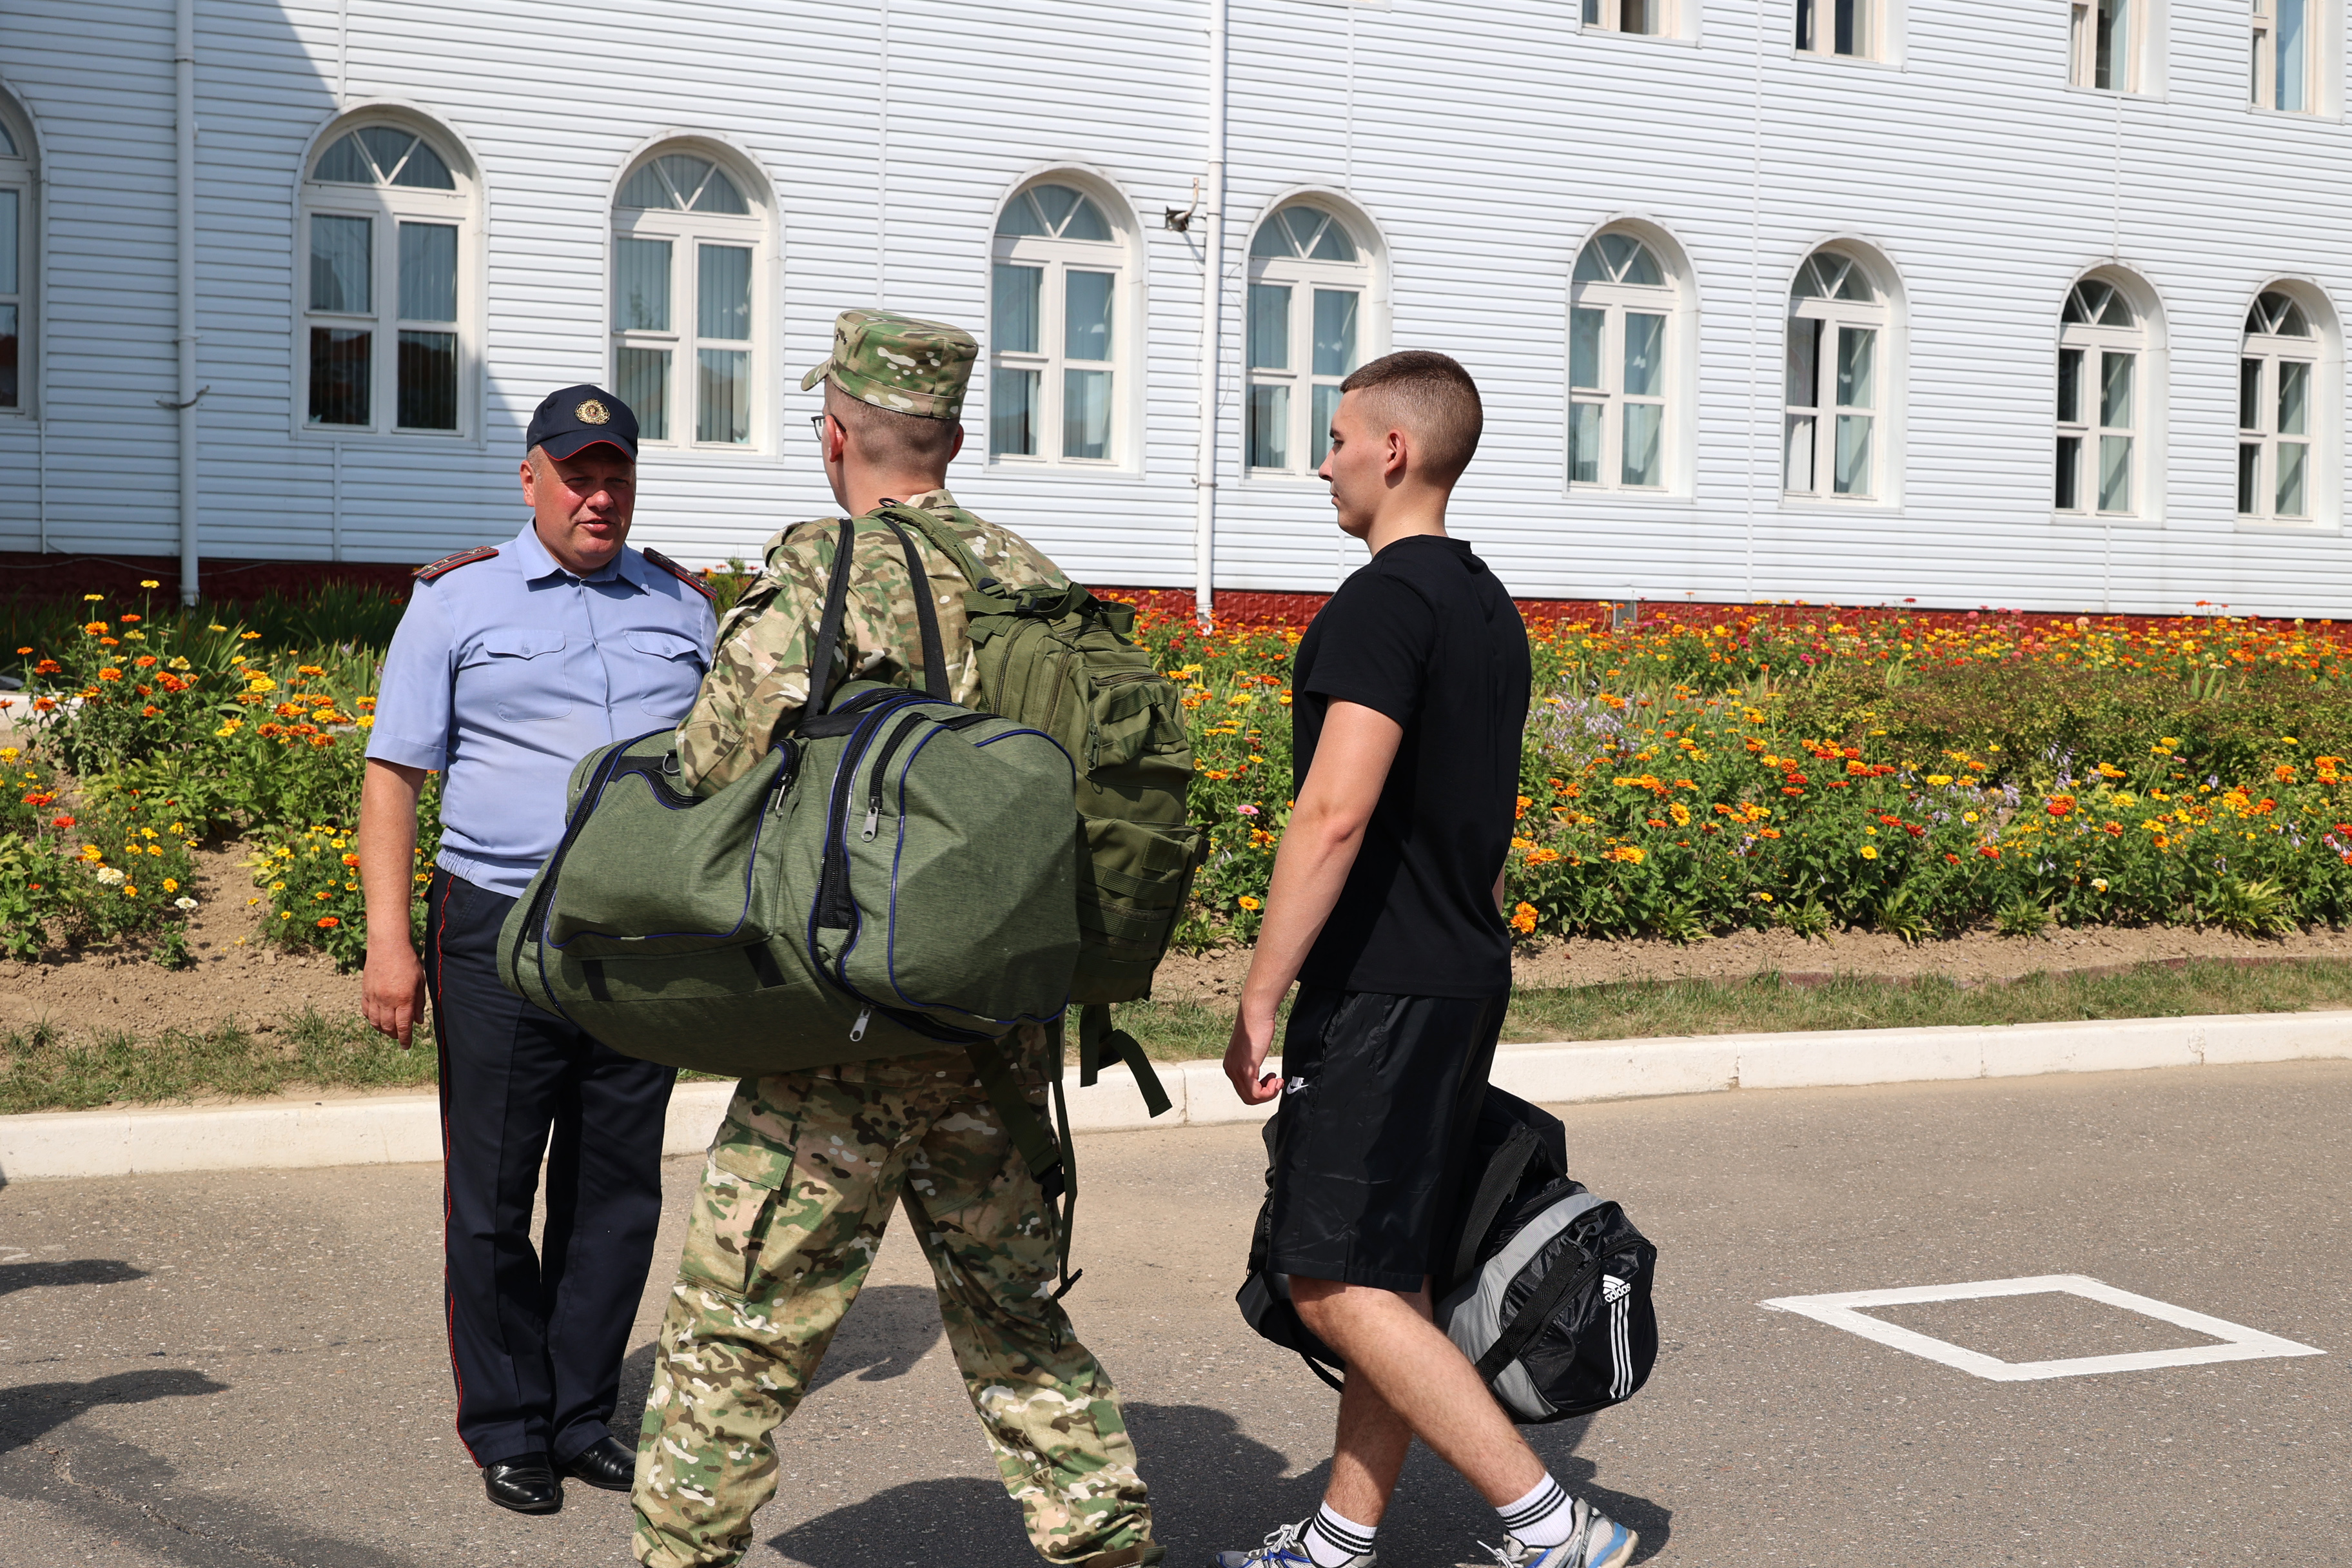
(149, 582)
(7, 753)
(171, 884)
(1247, 903)
(1939, 778)
(248, 636)
(1680, 812)
(1870, 851)
(92, 598)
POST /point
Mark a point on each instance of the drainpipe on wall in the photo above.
(183, 65)
(1213, 262)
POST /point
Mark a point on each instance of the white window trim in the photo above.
(22, 175)
(684, 230)
(1889, 435)
(2324, 350)
(1364, 275)
(1679, 301)
(1130, 320)
(465, 209)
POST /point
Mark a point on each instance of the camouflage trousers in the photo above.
(801, 1181)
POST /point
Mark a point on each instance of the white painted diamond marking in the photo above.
(1844, 1310)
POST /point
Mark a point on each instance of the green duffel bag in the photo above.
(898, 875)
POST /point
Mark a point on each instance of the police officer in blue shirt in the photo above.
(511, 663)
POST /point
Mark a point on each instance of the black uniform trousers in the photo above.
(535, 1338)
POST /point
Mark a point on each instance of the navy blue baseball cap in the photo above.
(577, 417)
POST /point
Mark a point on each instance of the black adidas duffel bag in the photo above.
(1549, 1294)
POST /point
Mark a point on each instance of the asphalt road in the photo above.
(224, 1370)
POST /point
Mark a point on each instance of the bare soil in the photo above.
(240, 977)
(1975, 959)
(237, 975)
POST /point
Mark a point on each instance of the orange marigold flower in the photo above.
(145, 661)
(2059, 805)
(1523, 919)
(110, 673)
(350, 860)
(61, 822)
(48, 667)
(95, 629)
(1989, 851)
(328, 922)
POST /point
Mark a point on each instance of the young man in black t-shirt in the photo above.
(1411, 692)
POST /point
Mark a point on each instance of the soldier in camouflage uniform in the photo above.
(806, 1168)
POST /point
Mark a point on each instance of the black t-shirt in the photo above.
(1425, 634)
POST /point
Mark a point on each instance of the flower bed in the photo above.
(1914, 773)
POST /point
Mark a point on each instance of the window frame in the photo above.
(2322, 353)
(387, 207)
(1881, 315)
(2094, 342)
(1304, 277)
(1608, 16)
(1874, 23)
(21, 173)
(2140, 19)
(1676, 358)
(1056, 256)
(686, 232)
(2319, 20)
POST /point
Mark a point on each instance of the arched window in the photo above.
(687, 237)
(1061, 319)
(1620, 317)
(2102, 349)
(2277, 419)
(386, 216)
(18, 253)
(1307, 280)
(1836, 377)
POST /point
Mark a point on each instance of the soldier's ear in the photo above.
(955, 443)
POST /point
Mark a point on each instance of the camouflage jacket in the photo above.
(758, 682)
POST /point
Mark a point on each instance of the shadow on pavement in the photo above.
(35, 1409)
(1214, 1487)
(16, 1277)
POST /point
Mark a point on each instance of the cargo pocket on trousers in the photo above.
(732, 1215)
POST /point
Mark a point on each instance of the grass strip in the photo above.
(1178, 1031)
(42, 1069)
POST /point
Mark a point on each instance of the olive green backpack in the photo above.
(1065, 662)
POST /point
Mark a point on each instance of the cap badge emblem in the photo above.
(592, 412)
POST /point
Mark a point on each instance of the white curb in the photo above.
(405, 1128)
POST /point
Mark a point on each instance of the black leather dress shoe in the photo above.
(604, 1462)
(526, 1484)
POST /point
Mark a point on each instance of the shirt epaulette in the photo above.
(426, 574)
(691, 579)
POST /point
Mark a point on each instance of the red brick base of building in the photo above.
(30, 576)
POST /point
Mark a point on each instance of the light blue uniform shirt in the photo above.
(506, 672)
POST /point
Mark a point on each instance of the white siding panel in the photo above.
(1485, 138)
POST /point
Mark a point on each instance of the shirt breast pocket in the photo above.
(522, 683)
(670, 667)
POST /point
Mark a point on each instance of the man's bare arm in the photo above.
(1318, 850)
(392, 990)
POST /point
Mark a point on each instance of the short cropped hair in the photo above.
(1433, 399)
(886, 436)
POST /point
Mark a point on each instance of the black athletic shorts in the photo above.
(1380, 1100)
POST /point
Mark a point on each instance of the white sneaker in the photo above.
(1287, 1548)
(1595, 1540)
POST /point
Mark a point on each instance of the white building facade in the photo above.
(2028, 303)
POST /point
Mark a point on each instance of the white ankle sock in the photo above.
(1333, 1538)
(1545, 1517)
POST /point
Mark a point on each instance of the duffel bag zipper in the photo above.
(836, 820)
(907, 726)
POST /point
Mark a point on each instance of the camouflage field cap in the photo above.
(898, 363)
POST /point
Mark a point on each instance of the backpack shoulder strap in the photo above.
(946, 539)
(1048, 1155)
(1096, 1039)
